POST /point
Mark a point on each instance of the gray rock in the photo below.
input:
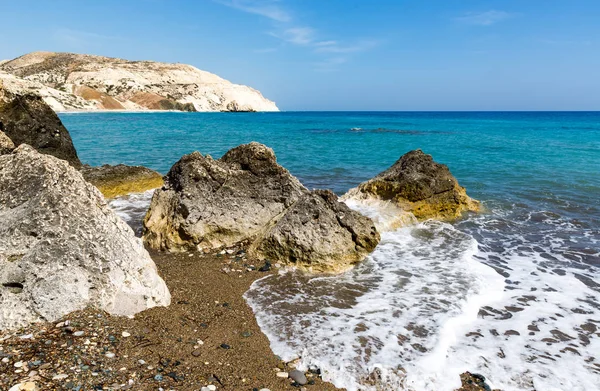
(318, 233)
(213, 203)
(27, 119)
(64, 248)
(6, 144)
(419, 185)
(298, 377)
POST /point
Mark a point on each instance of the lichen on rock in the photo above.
(419, 185)
(114, 181)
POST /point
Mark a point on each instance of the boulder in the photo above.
(6, 144)
(62, 248)
(318, 233)
(27, 119)
(417, 184)
(212, 203)
(119, 180)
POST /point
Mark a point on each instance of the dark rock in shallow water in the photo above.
(417, 184)
(26, 119)
(118, 180)
(213, 203)
(318, 233)
(63, 246)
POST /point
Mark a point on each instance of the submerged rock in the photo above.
(319, 233)
(118, 180)
(62, 248)
(26, 119)
(419, 185)
(6, 144)
(213, 203)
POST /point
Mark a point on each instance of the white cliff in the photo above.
(70, 82)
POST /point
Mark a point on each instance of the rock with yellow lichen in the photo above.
(418, 185)
(114, 181)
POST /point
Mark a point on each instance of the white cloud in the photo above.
(299, 35)
(486, 18)
(335, 48)
(267, 8)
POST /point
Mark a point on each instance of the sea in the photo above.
(512, 293)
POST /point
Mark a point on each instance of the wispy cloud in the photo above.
(268, 8)
(340, 49)
(486, 18)
(332, 52)
(79, 38)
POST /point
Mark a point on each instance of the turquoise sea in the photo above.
(513, 293)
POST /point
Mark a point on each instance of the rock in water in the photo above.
(213, 203)
(27, 119)
(113, 181)
(417, 184)
(62, 248)
(6, 144)
(319, 233)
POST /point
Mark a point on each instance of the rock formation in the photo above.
(6, 144)
(26, 119)
(417, 184)
(246, 197)
(319, 233)
(212, 203)
(118, 180)
(62, 249)
(82, 82)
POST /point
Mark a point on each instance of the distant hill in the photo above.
(70, 82)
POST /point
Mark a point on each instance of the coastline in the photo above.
(161, 347)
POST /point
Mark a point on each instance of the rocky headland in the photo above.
(74, 82)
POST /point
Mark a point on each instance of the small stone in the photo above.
(27, 336)
(141, 362)
(110, 354)
(125, 334)
(18, 364)
(78, 333)
(196, 353)
(205, 389)
(60, 376)
(158, 378)
(225, 346)
(28, 386)
(284, 375)
(266, 267)
(211, 387)
(5, 360)
(298, 377)
(247, 334)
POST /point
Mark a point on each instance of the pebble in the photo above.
(225, 346)
(109, 354)
(141, 362)
(211, 387)
(264, 389)
(18, 364)
(78, 333)
(27, 336)
(158, 378)
(298, 377)
(5, 360)
(60, 376)
(196, 353)
(283, 374)
(28, 386)
(125, 334)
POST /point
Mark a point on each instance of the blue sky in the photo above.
(343, 54)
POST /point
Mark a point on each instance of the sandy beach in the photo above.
(207, 336)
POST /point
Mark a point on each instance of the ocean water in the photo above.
(512, 293)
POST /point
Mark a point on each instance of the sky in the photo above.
(343, 54)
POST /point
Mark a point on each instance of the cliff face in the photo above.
(68, 81)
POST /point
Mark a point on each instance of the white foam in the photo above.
(409, 317)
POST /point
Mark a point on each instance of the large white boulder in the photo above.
(62, 248)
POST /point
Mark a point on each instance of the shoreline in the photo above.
(207, 336)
